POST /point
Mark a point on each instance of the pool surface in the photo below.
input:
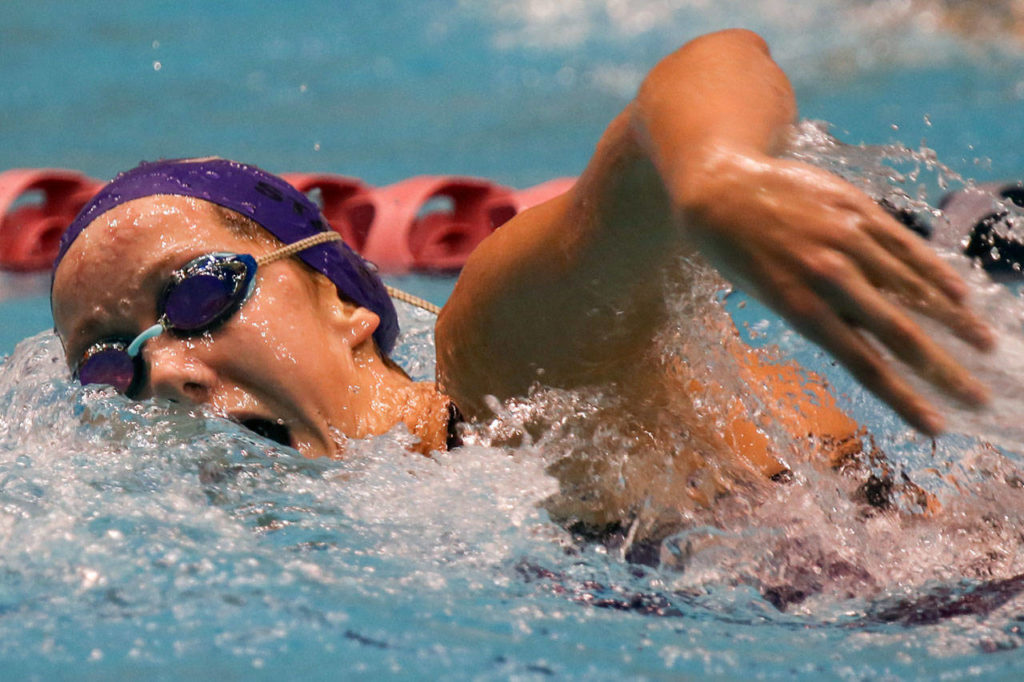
(147, 541)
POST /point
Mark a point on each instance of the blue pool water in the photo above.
(145, 541)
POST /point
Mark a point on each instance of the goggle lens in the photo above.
(207, 291)
(111, 365)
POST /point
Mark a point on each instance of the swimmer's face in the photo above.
(290, 356)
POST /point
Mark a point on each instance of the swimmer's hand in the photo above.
(824, 255)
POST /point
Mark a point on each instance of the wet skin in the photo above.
(692, 167)
(294, 355)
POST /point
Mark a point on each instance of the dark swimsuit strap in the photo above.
(454, 419)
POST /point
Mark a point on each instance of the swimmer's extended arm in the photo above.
(569, 293)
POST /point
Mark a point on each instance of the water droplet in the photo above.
(157, 66)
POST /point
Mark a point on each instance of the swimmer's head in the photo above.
(241, 326)
(265, 199)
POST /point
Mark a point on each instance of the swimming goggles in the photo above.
(197, 298)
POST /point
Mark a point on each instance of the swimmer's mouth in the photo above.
(278, 433)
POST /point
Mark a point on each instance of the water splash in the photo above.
(918, 532)
(116, 514)
(814, 544)
(190, 538)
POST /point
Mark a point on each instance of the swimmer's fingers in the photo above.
(895, 259)
(872, 236)
(846, 343)
(908, 248)
(868, 309)
(831, 300)
(887, 271)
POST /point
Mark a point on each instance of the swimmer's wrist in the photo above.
(711, 176)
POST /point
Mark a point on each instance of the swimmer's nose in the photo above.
(176, 373)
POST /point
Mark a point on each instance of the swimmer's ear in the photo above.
(352, 322)
(359, 323)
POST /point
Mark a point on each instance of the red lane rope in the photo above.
(428, 222)
(36, 206)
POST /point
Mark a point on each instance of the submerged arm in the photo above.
(569, 293)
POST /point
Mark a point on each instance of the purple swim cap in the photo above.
(271, 202)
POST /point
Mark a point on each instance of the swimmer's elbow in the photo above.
(734, 36)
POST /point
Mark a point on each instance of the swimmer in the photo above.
(155, 292)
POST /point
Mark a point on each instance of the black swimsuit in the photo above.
(454, 419)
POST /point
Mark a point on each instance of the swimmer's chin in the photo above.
(314, 448)
(308, 444)
(316, 445)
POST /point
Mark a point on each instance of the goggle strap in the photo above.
(301, 245)
(332, 236)
(405, 297)
(135, 346)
